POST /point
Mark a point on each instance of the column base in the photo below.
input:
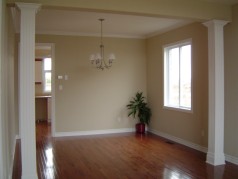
(29, 176)
(215, 159)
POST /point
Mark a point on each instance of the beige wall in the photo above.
(184, 125)
(12, 98)
(41, 109)
(9, 116)
(3, 150)
(231, 85)
(92, 99)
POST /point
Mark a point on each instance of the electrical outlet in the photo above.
(66, 77)
(119, 119)
(60, 87)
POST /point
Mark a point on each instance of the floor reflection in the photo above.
(45, 161)
(49, 169)
(173, 174)
(215, 172)
(49, 157)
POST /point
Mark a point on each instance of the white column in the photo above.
(215, 154)
(27, 89)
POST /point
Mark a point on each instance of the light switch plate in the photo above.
(60, 77)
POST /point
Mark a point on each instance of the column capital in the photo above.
(215, 22)
(33, 6)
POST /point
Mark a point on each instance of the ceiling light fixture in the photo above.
(98, 59)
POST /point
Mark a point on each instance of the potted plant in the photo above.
(138, 108)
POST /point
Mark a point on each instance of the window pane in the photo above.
(185, 76)
(47, 64)
(48, 81)
(178, 76)
(173, 77)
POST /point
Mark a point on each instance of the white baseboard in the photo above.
(94, 132)
(228, 158)
(179, 140)
(231, 159)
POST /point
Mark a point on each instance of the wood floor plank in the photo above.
(118, 156)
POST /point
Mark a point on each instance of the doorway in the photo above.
(44, 84)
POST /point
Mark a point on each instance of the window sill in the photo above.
(178, 109)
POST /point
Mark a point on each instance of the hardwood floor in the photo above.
(118, 156)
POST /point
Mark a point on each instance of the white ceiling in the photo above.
(62, 22)
(117, 25)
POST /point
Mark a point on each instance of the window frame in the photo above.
(166, 48)
(44, 79)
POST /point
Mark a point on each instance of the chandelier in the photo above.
(98, 59)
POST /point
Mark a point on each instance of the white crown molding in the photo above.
(93, 132)
(164, 30)
(87, 34)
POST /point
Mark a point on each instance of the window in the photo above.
(47, 74)
(177, 75)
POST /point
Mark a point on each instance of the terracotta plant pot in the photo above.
(140, 128)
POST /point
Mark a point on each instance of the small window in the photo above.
(47, 74)
(177, 76)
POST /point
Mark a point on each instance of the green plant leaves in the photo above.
(138, 107)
